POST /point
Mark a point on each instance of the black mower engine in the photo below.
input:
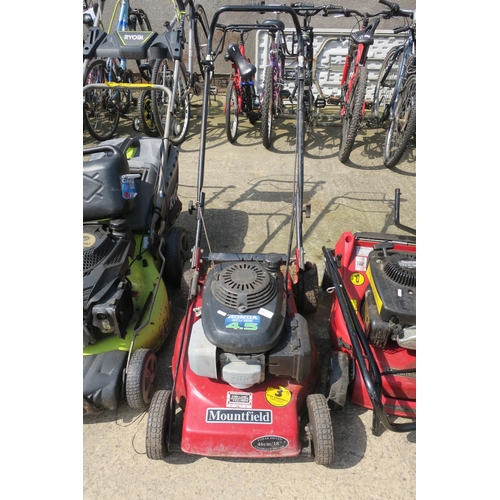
(107, 297)
(244, 331)
(390, 299)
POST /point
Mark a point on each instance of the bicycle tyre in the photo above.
(404, 124)
(267, 107)
(384, 88)
(101, 108)
(146, 117)
(231, 113)
(353, 115)
(201, 35)
(126, 95)
(163, 75)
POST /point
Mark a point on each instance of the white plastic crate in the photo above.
(329, 57)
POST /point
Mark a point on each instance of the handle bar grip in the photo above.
(333, 9)
(396, 10)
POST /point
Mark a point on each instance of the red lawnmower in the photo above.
(372, 278)
(245, 368)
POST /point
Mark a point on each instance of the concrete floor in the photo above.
(248, 193)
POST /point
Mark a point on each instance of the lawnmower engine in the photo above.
(107, 298)
(390, 300)
(244, 331)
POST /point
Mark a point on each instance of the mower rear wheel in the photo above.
(157, 425)
(307, 295)
(337, 380)
(140, 378)
(187, 277)
(320, 428)
(176, 253)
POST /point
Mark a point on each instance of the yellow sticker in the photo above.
(278, 397)
(88, 240)
(357, 279)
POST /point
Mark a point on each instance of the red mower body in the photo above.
(396, 364)
(219, 420)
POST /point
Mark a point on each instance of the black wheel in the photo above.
(231, 112)
(353, 114)
(163, 74)
(101, 107)
(201, 35)
(125, 95)
(176, 253)
(307, 289)
(320, 429)
(384, 88)
(404, 125)
(187, 277)
(157, 425)
(140, 378)
(267, 107)
(337, 380)
(146, 117)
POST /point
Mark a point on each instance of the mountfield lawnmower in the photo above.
(373, 325)
(245, 368)
(130, 247)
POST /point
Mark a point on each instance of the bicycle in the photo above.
(274, 75)
(172, 73)
(395, 92)
(241, 96)
(103, 107)
(354, 80)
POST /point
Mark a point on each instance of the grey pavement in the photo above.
(248, 193)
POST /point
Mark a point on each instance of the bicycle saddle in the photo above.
(365, 37)
(247, 69)
(274, 25)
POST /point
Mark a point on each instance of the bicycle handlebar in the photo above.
(396, 10)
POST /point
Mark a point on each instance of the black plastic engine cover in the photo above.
(243, 310)
(393, 281)
(292, 356)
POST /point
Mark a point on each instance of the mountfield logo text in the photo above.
(224, 415)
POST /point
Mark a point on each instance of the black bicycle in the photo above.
(395, 95)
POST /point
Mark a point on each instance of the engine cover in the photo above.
(244, 306)
(107, 301)
(390, 299)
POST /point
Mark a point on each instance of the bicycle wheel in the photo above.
(201, 35)
(404, 124)
(125, 95)
(163, 75)
(384, 88)
(353, 114)
(146, 117)
(267, 107)
(101, 107)
(231, 112)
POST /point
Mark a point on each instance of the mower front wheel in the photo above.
(320, 428)
(157, 425)
(140, 378)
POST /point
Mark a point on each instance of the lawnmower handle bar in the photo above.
(361, 349)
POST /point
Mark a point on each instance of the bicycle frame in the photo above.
(357, 54)
(408, 49)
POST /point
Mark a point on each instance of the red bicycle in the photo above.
(241, 96)
(355, 75)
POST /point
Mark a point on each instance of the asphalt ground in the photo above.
(248, 206)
